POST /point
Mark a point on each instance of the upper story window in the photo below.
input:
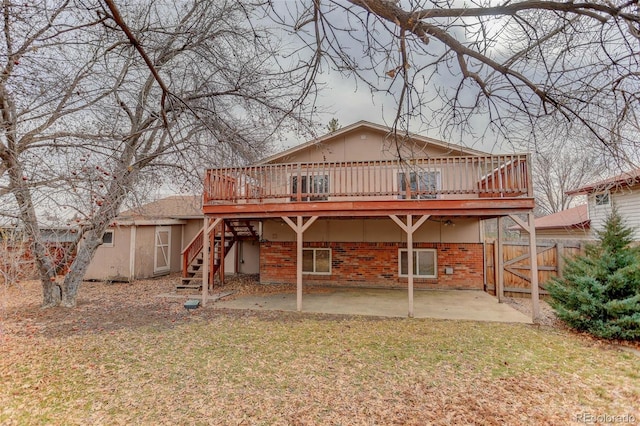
(313, 188)
(422, 184)
(602, 199)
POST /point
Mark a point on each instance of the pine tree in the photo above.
(333, 125)
(600, 290)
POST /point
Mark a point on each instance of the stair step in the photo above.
(188, 286)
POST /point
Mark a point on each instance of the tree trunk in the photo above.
(51, 294)
(78, 268)
(92, 238)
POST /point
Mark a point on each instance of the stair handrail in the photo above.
(192, 250)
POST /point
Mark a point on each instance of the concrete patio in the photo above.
(442, 304)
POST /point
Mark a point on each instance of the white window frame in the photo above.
(399, 183)
(315, 249)
(603, 196)
(113, 238)
(417, 254)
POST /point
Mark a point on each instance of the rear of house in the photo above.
(372, 251)
(365, 207)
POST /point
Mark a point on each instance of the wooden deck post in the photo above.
(299, 227)
(222, 251)
(299, 242)
(530, 227)
(500, 264)
(410, 263)
(206, 255)
(205, 261)
(533, 250)
(409, 228)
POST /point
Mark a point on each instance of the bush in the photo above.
(600, 291)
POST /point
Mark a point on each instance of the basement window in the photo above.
(602, 199)
(424, 263)
(316, 261)
(107, 238)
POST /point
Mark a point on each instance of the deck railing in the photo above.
(425, 178)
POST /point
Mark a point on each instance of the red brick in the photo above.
(375, 265)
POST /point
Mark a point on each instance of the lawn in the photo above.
(125, 356)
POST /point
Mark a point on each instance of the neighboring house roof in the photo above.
(576, 217)
(625, 179)
(173, 207)
(371, 126)
(573, 218)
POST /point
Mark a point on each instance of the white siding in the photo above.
(628, 203)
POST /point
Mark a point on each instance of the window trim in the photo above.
(113, 238)
(604, 196)
(315, 249)
(402, 195)
(417, 251)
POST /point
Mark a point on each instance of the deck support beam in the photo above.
(299, 227)
(409, 228)
(222, 251)
(207, 228)
(530, 228)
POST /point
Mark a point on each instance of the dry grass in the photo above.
(125, 356)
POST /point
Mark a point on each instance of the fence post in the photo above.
(559, 258)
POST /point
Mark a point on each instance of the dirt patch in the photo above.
(547, 317)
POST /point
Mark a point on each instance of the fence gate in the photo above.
(517, 267)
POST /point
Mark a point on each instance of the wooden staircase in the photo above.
(222, 240)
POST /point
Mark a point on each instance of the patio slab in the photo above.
(442, 304)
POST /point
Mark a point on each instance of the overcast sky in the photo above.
(350, 102)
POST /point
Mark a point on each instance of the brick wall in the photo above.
(374, 265)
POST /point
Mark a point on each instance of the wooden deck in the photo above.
(444, 186)
(407, 192)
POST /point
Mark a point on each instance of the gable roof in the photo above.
(625, 179)
(576, 217)
(173, 207)
(360, 125)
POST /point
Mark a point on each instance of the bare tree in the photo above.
(84, 120)
(470, 67)
(560, 169)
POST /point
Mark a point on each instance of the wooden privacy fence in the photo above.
(517, 267)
